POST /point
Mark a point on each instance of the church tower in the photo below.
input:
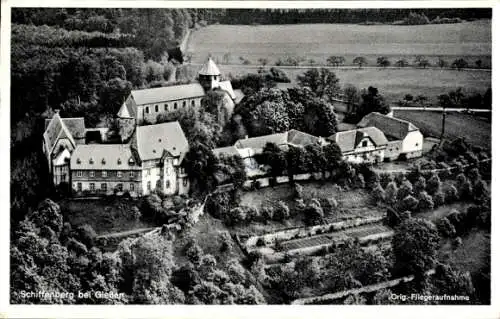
(209, 75)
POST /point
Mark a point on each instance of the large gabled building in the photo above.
(404, 139)
(364, 145)
(144, 106)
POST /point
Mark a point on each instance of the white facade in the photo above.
(150, 112)
(413, 142)
(365, 152)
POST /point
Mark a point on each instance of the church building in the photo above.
(146, 105)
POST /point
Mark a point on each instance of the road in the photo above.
(438, 109)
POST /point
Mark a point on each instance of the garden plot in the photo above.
(324, 239)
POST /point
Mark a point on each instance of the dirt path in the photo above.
(126, 233)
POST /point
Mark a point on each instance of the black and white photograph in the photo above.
(286, 155)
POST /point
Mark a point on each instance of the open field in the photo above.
(319, 41)
(475, 129)
(104, 215)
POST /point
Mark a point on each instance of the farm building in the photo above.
(404, 139)
(146, 105)
(363, 145)
(248, 148)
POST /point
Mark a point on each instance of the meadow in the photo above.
(475, 129)
(319, 41)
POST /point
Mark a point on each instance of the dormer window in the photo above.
(78, 161)
(131, 161)
(119, 161)
(91, 161)
(103, 161)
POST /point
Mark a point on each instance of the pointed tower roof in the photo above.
(209, 68)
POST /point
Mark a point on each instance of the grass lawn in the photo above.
(207, 234)
(352, 203)
(104, 215)
(442, 211)
(476, 130)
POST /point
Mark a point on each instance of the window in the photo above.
(364, 143)
(184, 104)
(131, 174)
(185, 182)
(119, 174)
(104, 187)
(91, 161)
(119, 161)
(192, 103)
(416, 144)
(92, 174)
(103, 161)
(119, 187)
(79, 186)
(156, 108)
(79, 174)
(175, 106)
(78, 161)
(158, 184)
(104, 174)
(167, 184)
(147, 110)
(165, 106)
(132, 187)
(131, 161)
(92, 187)
(149, 185)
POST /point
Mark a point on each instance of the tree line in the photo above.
(298, 16)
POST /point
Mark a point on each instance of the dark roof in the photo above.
(152, 140)
(75, 125)
(56, 129)
(103, 157)
(391, 126)
(300, 138)
(348, 140)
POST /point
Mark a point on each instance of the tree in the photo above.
(445, 228)
(378, 193)
(415, 244)
(317, 159)
(383, 61)
(434, 184)
(319, 118)
(425, 201)
(442, 63)
(322, 82)
(405, 189)
(200, 165)
(372, 101)
(335, 60)
(402, 63)
(421, 61)
(352, 97)
(333, 156)
(448, 281)
(360, 61)
(313, 214)
(459, 64)
(273, 156)
(391, 191)
(263, 61)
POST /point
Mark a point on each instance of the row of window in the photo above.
(103, 161)
(119, 174)
(104, 187)
(165, 106)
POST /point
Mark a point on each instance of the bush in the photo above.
(378, 193)
(409, 203)
(313, 214)
(281, 211)
(445, 228)
(405, 189)
(86, 235)
(480, 191)
(433, 184)
(391, 192)
(267, 212)
(425, 201)
(194, 253)
(464, 187)
(451, 194)
(298, 190)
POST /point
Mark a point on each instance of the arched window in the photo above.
(183, 103)
(175, 106)
(147, 110)
(192, 103)
(156, 108)
(91, 161)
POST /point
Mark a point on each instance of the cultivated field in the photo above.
(475, 129)
(318, 41)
